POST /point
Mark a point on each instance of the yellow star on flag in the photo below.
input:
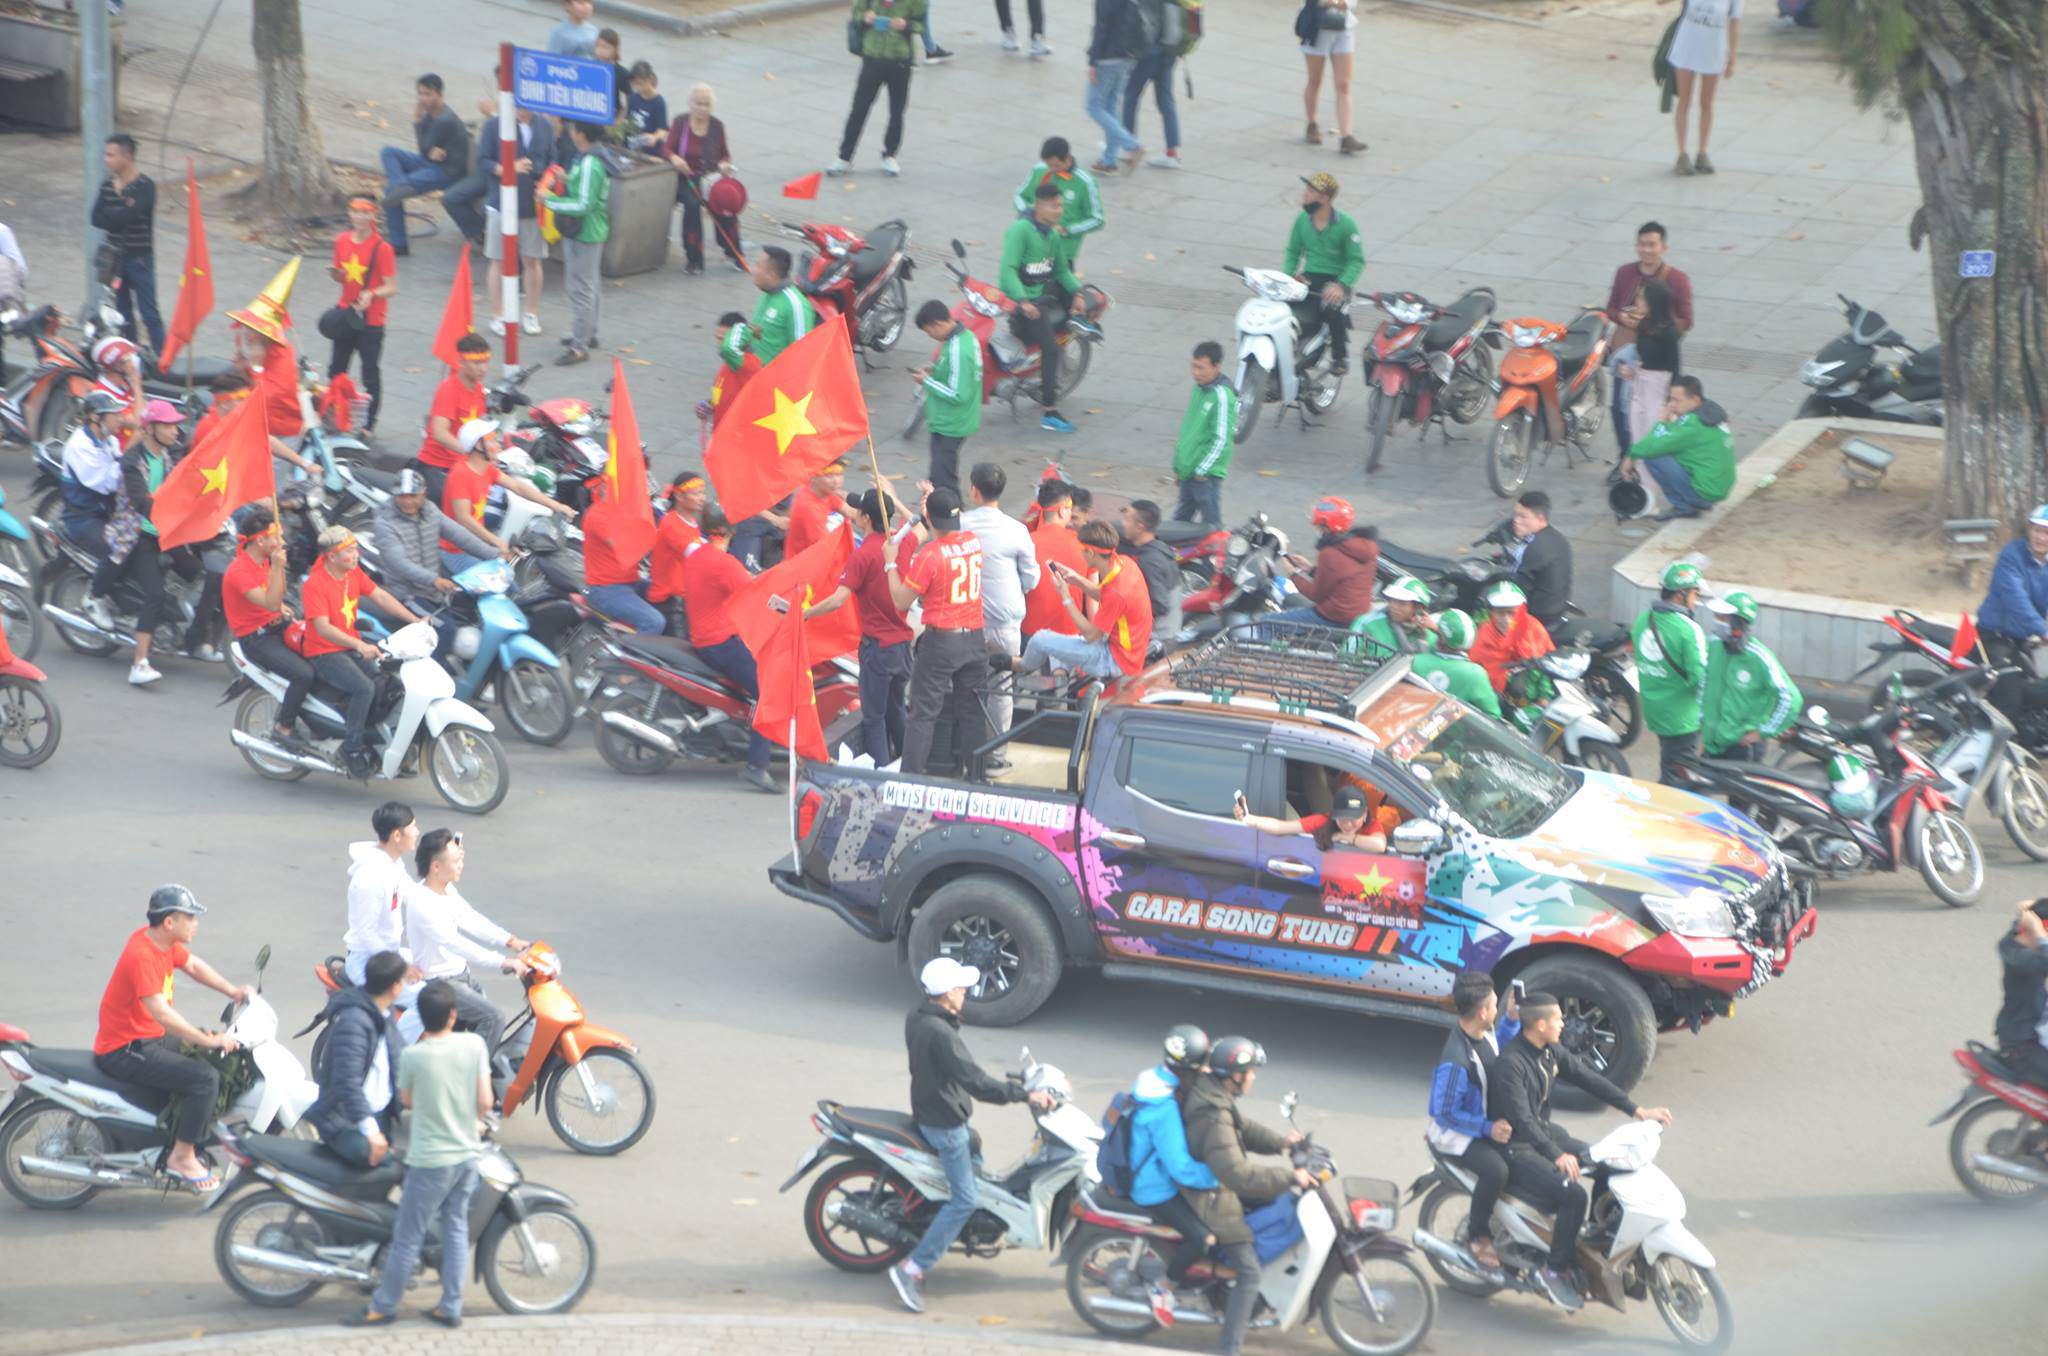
(215, 477)
(611, 465)
(1372, 882)
(355, 271)
(790, 421)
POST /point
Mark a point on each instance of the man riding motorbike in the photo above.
(445, 934)
(1671, 664)
(409, 530)
(1160, 1163)
(1510, 634)
(1458, 1123)
(92, 476)
(1036, 274)
(1749, 698)
(252, 597)
(342, 660)
(2013, 618)
(1403, 624)
(1339, 587)
(355, 1110)
(2022, 1029)
(467, 490)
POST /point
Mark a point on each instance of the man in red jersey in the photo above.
(1110, 643)
(951, 659)
(711, 575)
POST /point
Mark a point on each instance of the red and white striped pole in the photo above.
(508, 209)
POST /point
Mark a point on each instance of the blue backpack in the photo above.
(1113, 1156)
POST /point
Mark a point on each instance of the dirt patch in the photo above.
(1811, 531)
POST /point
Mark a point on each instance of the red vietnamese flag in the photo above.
(1965, 641)
(805, 186)
(792, 418)
(624, 517)
(804, 580)
(195, 285)
(789, 698)
(229, 468)
(458, 317)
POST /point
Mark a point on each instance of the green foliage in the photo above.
(1878, 43)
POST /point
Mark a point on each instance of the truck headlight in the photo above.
(1700, 913)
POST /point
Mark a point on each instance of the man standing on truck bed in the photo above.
(951, 657)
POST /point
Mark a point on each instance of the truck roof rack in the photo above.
(1299, 668)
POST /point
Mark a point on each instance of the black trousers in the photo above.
(1176, 1214)
(874, 76)
(2030, 1061)
(2014, 693)
(1536, 1177)
(1040, 330)
(268, 649)
(948, 665)
(1036, 9)
(1669, 749)
(944, 473)
(1488, 1164)
(143, 564)
(474, 1012)
(884, 681)
(690, 193)
(1313, 311)
(369, 346)
(348, 675)
(159, 1064)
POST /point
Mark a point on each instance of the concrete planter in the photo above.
(643, 201)
(43, 86)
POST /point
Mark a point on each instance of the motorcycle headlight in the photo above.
(1528, 336)
(1816, 373)
(1407, 312)
(1699, 913)
(1569, 665)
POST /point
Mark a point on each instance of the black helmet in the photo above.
(104, 403)
(169, 899)
(543, 536)
(1235, 1054)
(1187, 1047)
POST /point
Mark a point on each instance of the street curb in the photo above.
(710, 23)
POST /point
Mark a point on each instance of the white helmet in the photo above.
(1406, 589)
(474, 432)
(2039, 517)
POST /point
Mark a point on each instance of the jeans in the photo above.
(1299, 616)
(1537, 1178)
(944, 472)
(580, 278)
(406, 175)
(348, 675)
(454, 562)
(369, 346)
(1244, 1295)
(461, 202)
(430, 1195)
(947, 666)
(144, 565)
(1036, 9)
(137, 296)
(474, 1011)
(924, 27)
(1009, 638)
(622, 602)
(1675, 483)
(1106, 104)
(732, 658)
(159, 1064)
(1488, 1164)
(951, 1146)
(1050, 648)
(268, 649)
(690, 193)
(1157, 70)
(884, 686)
(1201, 501)
(875, 75)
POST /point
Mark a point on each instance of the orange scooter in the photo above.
(1553, 390)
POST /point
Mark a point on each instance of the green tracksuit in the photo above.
(1081, 213)
(1208, 432)
(1463, 679)
(1747, 689)
(952, 393)
(887, 44)
(1032, 257)
(1706, 451)
(1671, 668)
(587, 196)
(1335, 251)
(780, 319)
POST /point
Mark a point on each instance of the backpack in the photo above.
(1113, 1156)
(1180, 30)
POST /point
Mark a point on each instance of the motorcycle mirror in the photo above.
(1287, 1105)
(1817, 714)
(959, 249)
(262, 962)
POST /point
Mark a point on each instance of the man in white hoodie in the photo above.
(377, 885)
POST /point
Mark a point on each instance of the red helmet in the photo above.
(1333, 514)
(727, 197)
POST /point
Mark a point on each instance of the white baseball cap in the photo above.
(2039, 517)
(943, 974)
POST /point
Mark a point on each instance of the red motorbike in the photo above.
(1427, 362)
(1999, 1149)
(865, 276)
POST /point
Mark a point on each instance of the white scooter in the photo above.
(1274, 363)
(1634, 1245)
(454, 740)
(72, 1132)
(1547, 702)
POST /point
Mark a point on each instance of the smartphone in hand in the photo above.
(1239, 806)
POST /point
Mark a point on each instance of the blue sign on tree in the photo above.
(1978, 263)
(564, 87)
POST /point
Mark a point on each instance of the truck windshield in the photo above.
(1499, 784)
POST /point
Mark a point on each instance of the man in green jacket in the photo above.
(1689, 450)
(782, 316)
(1037, 274)
(952, 384)
(1402, 625)
(1671, 667)
(1325, 252)
(1749, 698)
(1450, 670)
(1081, 199)
(1208, 432)
(587, 198)
(887, 27)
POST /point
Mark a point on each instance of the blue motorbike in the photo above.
(489, 648)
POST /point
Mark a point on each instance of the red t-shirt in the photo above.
(947, 576)
(726, 386)
(710, 577)
(143, 969)
(458, 402)
(245, 575)
(322, 595)
(810, 517)
(673, 537)
(1125, 614)
(866, 576)
(464, 482)
(1042, 609)
(279, 382)
(365, 264)
(601, 564)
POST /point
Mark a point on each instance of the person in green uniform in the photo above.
(1671, 667)
(586, 199)
(1449, 669)
(1689, 450)
(1402, 625)
(952, 384)
(1749, 697)
(782, 316)
(1036, 274)
(1325, 252)
(1208, 432)
(1081, 211)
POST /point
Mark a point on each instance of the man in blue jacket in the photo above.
(1161, 1164)
(2013, 618)
(2022, 1029)
(358, 1064)
(1457, 1101)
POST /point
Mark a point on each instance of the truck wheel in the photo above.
(1608, 1020)
(999, 928)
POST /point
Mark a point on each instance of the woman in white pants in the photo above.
(1703, 55)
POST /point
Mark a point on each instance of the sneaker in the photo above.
(1040, 47)
(1161, 1298)
(937, 55)
(1702, 165)
(207, 654)
(1104, 167)
(839, 167)
(1055, 422)
(890, 167)
(1684, 166)
(1313, 136)
(694, 266)
(1560, 1289)
(1171, 160)
(1009, 40)
(909, 1288)
(758, 778)
(573, 355)
(498, 325)
(529, 323)
(142, 674)
(1350, 145)
(99, 613)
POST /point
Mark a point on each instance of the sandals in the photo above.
(207, 1181)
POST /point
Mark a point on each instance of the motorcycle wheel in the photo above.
(1948, 856)
(257, 715)
(1979, 1132)
(916, 420)
(22, 621)
(2022, 806)
(69, 593)
(623, 1109)
(1379, 417)
(1443, 1196)
(1621, 709)
(1508, 453)
(60, 413)
(1103, 1262)
(1602, 758)
(468, 769)
(1470, 386)
(1815, 407)
(1251, 395)
(623, 753)
(580, 654)
(537, 702)
(840, 1245)
(47, 1130)
(1692, 1303)
(280, 1225)
(542, 1265)
(1319, 390)
(1406, 1300)
(884, 324)
(46, 508)
(1074, 365)
(19, 556)
(29, 724)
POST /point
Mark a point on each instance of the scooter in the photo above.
(45, 401)
(21, 621)
(30, 724)
(1545, 702)
(1347, 1271)
(1247, 583)
(46, 505)
(1936, 645)
(1973, 749)
(865, 276)
(1999, 1149)
(1858, 376)
(491, 650)
(1428, 362)
(1276, 363)
(1634, 1245)
(454, 740)
(1553, 392)
(185, 630)
(72, 1132)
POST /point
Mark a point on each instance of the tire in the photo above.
(30, 724)
(886, 320)
(1471, 385)
(1000, 928)
(1509, 452)
(873, 1256)
(1684, 1293)
(612, 1069)
(1602, 758)
(1621, 705)
(257, 715)
(1251, 395)
(1380, 420)
(2022, 806)
(22, 621)
(912, 425)
(468, 769)
(34, 1127)
(1441, 1197)
(553, 1226)
(47, 508)
(1949, 858)
(1092, 1259)
(20, 556)
(621, 752)
(1962, 1145)
(1815, 407)
(68, 592)
(297, 1227)
(538, 703)
(1074, 364)
(1407, 1300)
(60, 414)
(1608, 1017)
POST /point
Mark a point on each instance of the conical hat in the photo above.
(266, 315)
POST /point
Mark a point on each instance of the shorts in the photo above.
(1330, 42)
(531, 246)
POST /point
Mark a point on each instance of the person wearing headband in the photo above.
(675, 536)
(816, 509)
(252, 596)
(342, 660)
(367, 270)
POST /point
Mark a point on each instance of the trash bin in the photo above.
(642, 200)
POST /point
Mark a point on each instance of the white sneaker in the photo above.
(530, 323)
(890, 167)
(99, 613)
(838, 167)
(1009, 40)
(1163, 161)
(1040, 47)
(497, 325)
(142, 674)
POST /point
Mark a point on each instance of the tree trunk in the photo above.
(1975, 90)
(296, 179)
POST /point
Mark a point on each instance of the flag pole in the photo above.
(793, 858)
(882, 495)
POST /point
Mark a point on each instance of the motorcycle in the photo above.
(1348, 1269)
(550, 582)
(1915, 635)
(491, 649)
(1856, 375)
(44, 401)
(1970, 743)
(17, 552)
(1276, 363)
(47, 505)
(72, 1132)
(1427, 362)
(1634, 1244)
(1544, 700)
(454, 740)
(30, 724)
(1247, 583)
(864, 276)
(2009, 1165)
(320, 1220)
(21, 621)
(189, 626)
(1553, 392)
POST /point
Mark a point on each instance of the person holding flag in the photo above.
(711, 576)
(252, 596)
(788, 423)
(342, 660)
(951, 659)
(618, 528)
(736, 365)
(782, 316)
(885, 637)
(261, 347)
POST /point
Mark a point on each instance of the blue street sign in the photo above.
(1978, 263)
(565, 87)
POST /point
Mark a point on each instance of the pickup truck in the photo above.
(1109, 841)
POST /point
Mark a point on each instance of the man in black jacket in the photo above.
(2022, 1029)
(358, 1065)
(944, 1083)
(1546, 1165)
(1543, 560)
(126, 210)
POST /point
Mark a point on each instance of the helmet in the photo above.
(1333, 514)
(1406, 589)
(727, 196)
(1627, 499)
(2039, 517)
(1187, 1046)
(102, 403)
(1737, 603)
(543, 535)
(1454, 629)
(1506, 593)
(1234, 1054)
(170, 899)
(473, 432)
(113, 350)
(1849, 787)
(410, 481)
(161, 412)
(1681, 574)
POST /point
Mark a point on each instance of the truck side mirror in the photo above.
(1416, 837)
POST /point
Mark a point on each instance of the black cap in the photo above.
(170, 899)
(1348, 803)
(943, 505)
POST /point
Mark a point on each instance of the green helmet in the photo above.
(1680, 575)
(1454, 630)
(1406, 589)
(1506, 593)
(1736, 603)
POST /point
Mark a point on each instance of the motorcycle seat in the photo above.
(1577, 345)
(1944, 636)
(1457, 317)
(1416, 562)
(1922, 369)
(76, 1066)
(205, 371)
(375, 477)
(1177, 534)
(1815, 782)
(318, 1163)
(883, 242)
(676, 655)
(896, 1127)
